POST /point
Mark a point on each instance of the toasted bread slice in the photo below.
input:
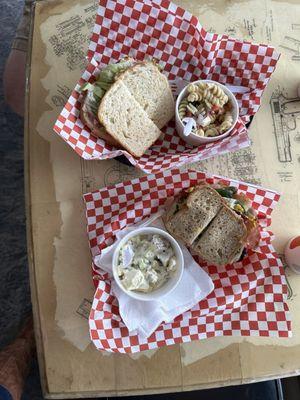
(200, 207)
(223, 239)
(126, 121)
(151, 90)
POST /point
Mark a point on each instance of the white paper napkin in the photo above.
(143, 317)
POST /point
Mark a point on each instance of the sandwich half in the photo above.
(126, 121)
(191, 213)
(151, 90)
(143, 89)
(93, 93)
(224, 239)
(216, 223)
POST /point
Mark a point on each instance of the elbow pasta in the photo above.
(205, 104)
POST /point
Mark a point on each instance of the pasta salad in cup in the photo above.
(208, 110)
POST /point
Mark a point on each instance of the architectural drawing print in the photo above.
(243, 165)
(88, 181)
(293, 46)
(61, 96)
(71, 37)
(240, 164)
(286, 119)
(120, 173)
(85, 308)
(289, 287)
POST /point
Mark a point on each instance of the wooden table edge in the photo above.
(29, 235)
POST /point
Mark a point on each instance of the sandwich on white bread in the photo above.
(126, 121)
(151, 90)
(147, 93)
(91, 120)
(216, 223)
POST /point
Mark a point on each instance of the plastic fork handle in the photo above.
(238, 89)
(189, 124)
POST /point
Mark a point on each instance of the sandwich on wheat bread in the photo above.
(188, 217)
(216, 223)
(128, 104)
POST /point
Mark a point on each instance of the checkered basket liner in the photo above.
(249, 298)
(174, 37)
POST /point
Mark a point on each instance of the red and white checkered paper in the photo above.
(249, 298)
(173, 36)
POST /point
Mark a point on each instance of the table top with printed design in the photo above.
(56, 178)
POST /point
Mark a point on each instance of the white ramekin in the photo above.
(196, 140)
(168, 286)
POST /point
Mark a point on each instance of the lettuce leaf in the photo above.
(105, 79)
